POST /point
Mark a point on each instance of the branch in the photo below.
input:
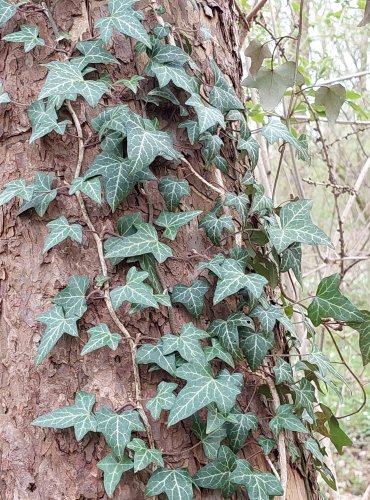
(206, 183)
(253, 13)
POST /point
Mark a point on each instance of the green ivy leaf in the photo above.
(42, 194)
(175, 483)
(57, 323)
(214, 225)
(275, 131)
(337, 436)
(238, 427)
(28, 35)
(330, 303)
(4, 96)
(283, 372)
(173, 190)
(191, 297)
(255, 346)
(296, 226)
(143, 455)
(266, 444)
(186, 344)
(291, 258)
(257, 52)
(313, 447)
(7, 11)
(134, 291)
(192, 129)
(44, 120)
(101, 336)
(149, 353)
(218, 351)
(363, 328)
(261, 204)
(203, 388)
(239, 201)
(267, 317)
(172, 71)
(77, 415)
(113, 469)
(15, 188)
(163, 400)
(304, 395)
(90, 187)
(323, 363)
(173, 221)
(124, 19)
(285, 419)
(252, 147)
(94, 53)
(210, 442)
(208, 116)
(132, 83)
(222, 95)
(72, 297)
(117, 428)
(332, 97)
(259, 485)
(227, 332)
(61, 229)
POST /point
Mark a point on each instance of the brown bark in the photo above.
(40, 464)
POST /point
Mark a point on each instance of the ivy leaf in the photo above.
(4, 96)
(173, 221)
(90, 187)
(330, 303)
(324, 365)
(72, 297)
(28, 35)
(101, 336)
(313, 447)
(208, 116)
(210, 442)
(191, 297)
(255, 347)
(117, 428)
(261, 204)
(222, 95)
(259, 485)
(163, 400)
(192, 129)
(113, 469)
(132, 83)
(304, 395)
(44, 120)
(266, 444)
(272, 83)
(275, 131)
(337, 436)
(267, 317)
(7, 11)
(283, 372)
(172, 72)
(257, 52)
(61, 229)
(202, 389)
(175, 483)
(252, 147)
(332, 97)
(173, 190)
(186, 344)
(228, 335)
(291, 258)
(238, 427)
(134, 291)
(57, 323)
(218, 351)
(67, 78)
(42, 194)
(94, 53)
(143, 455)
(149, 353)
(214, 225)
(145, 240)
(233, 279)
(15, 188)
(285, 419)
(124, 19)
(217, 475)
(239, 201)
(296, 227)
(77, 415)
(363, 329)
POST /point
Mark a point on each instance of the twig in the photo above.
(194, 172)
(54, 27)
(253, 13)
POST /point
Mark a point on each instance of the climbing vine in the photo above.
(204, 364)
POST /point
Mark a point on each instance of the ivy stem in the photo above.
(103, 265)
(206, 183)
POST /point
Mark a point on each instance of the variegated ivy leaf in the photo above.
(218, 351)
(222, 95)
(211, 151)
(64, 78)
(215, 419)
(117, 428)
(173, 190)
(296, 227)
(94, 53)
(28, 35)
(90, 187)
(7, 11)
(217, 474)
(132, 83)
(241, 255)
(57, 323)
(215, 226)
(155, 96)
(208, 116)
(113, 469)
(323, 364)
(4, 96)
(186, 344)
(148, 264)
(330, 303)
(191, 297)
(148, 353)
(232, 278)
(304, 395)
(255, 346)
(124, 19)
(144, 455)
(61, 229)
(227, 332)
(172, 71)
(259, 485)
(79, 415)
(283, 372)
(313, 447)
(267, 317)
(42, 194)
(285, 419)
(238, 426)
(175, 483)
(134, 291)
(15, 188)
(275, 131)
(101, 336)
(44, 120)
(252, 147)
(173, 221)
(192, 129)
(261, 204)
(203, 388)
(162, 31)
(163, 400)
(239, 201)
(291, 258)
(266, 444)
(363, 328)
(72, 297)
(145, 240)
(211, 442)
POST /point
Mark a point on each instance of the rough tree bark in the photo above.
(40, 464)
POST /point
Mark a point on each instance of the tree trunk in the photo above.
(41, 464)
